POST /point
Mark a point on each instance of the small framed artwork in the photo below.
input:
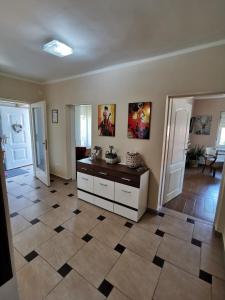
(139, 118)
(202, 125)
(106, 119)
(55, 116)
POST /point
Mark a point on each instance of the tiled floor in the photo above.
(200, 194)
(67, 249)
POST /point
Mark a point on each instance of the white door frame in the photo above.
(165, 147)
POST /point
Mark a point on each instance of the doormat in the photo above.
(15, 172)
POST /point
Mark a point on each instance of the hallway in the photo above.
(68, 249)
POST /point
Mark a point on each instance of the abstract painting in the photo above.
(106, 119)
(139, 117)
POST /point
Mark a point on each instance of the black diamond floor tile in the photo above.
(105, 288)
(77, 212)
(205, 276)
(56, 206)
(87, 237)
(196, 242)
(189, 220)
(128, 224)
(159, 233)
(59, 229)
(119, 248)
(29, 257)
(161, 214)
(53, 191)
(13, 215)
(158, 261)
(64, 270)
(35, 221)
(37, 201)
(101, 218)
(70, 195)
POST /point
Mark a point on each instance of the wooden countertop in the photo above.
(116, 167)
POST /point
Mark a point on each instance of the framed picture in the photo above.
(55, 116)
(202, 125)
(139, 117)
(106, 119)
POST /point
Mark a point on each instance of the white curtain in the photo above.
(221, 131)
(83, 126)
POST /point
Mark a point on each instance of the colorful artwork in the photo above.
(139, 116)
(106, 119)
(202, 125)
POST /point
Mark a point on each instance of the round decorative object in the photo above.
(133, 160)
(17, 128)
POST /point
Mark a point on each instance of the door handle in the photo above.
(126, 179)
(128, 192)
(46, 144)
(102, 173)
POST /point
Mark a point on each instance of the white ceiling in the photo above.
(102, 32)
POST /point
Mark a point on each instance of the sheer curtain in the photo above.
(83, 126)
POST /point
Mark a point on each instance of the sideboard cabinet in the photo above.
(115, 188)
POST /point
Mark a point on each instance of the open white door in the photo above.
(40, 140)
(15, 128)
(180, 115)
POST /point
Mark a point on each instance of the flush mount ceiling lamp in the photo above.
(57, 48)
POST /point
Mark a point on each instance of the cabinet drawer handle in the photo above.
(103, 184)
(102, 173)
(128, 192)
(84, 178)
(84, 169)
(126, 179)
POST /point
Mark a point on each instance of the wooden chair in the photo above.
(214, 159)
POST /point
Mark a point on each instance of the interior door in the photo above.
(16, 134)
(40, 139)
(180, 115)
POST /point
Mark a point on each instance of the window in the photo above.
(221, 131)
(83, 126)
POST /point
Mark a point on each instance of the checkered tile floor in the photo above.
(67, 249)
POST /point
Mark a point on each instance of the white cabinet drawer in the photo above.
(104, 188)
(126, 212)
(103, 203)
(85, 196)
(126, 194)
(85, 182)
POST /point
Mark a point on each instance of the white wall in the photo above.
(200, 71)
(20, 90)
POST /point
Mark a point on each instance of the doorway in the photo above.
(15, 132)
(80, 125)
(194, 155)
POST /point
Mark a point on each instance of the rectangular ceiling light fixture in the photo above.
(57, 48)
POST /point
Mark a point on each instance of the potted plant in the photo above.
(111, 157)
(194, 154)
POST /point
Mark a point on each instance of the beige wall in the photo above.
(211, 107)
(20, 90)
(200, 71)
